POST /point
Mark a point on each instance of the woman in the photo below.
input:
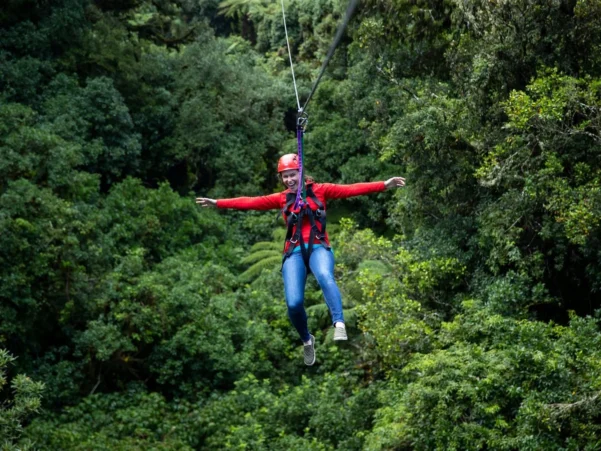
(309, 246)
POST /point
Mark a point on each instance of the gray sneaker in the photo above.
(309, 352)
(340, 334)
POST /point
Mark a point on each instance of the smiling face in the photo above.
(290, 178)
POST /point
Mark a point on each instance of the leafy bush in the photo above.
(25, 400)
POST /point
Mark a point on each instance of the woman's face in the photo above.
(290, 178)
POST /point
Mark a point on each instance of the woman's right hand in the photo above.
(206, 202)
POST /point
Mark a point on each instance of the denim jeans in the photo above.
(294, 273)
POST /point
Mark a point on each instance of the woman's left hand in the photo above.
(206, 202)
(395, 182)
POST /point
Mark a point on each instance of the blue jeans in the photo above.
(294, 273)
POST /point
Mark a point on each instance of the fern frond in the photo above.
(260, 255)
(266, 246)
(267, 263)
(279, 235)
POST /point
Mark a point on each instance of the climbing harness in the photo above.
(294, 220)
(297, 207)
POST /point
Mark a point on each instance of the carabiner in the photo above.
(302, 120)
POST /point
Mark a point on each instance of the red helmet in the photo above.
(288, 161)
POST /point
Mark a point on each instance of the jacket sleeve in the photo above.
(332, 191)
(270, 202)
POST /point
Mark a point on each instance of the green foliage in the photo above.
(25, 400)
(320, 413)
(242, 8)
(506, 384)
(559, 111)
(423, 32)
(38, 29)
(97, 118)
(41, 260)
(264, 255)
(37, 153)
(400, 304)
(154, 324)
(224, 131)
(133, 419)
(158, 220)
(544, 172)
(57, 254)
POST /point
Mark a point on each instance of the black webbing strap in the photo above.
(321, 215)
(291, 218)
(313, 197)
(290, 198)
(315, 232)
(305, 251)
(296, 238)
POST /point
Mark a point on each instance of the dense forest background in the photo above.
(131, 319)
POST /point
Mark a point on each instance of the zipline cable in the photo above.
(290, 56)
(349, 12)
(302, 119)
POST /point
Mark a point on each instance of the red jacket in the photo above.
(323, 191)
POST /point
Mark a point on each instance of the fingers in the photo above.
(205, 202)
(395, 182)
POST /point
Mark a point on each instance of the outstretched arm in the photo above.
(333, 191)
(270, 202)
